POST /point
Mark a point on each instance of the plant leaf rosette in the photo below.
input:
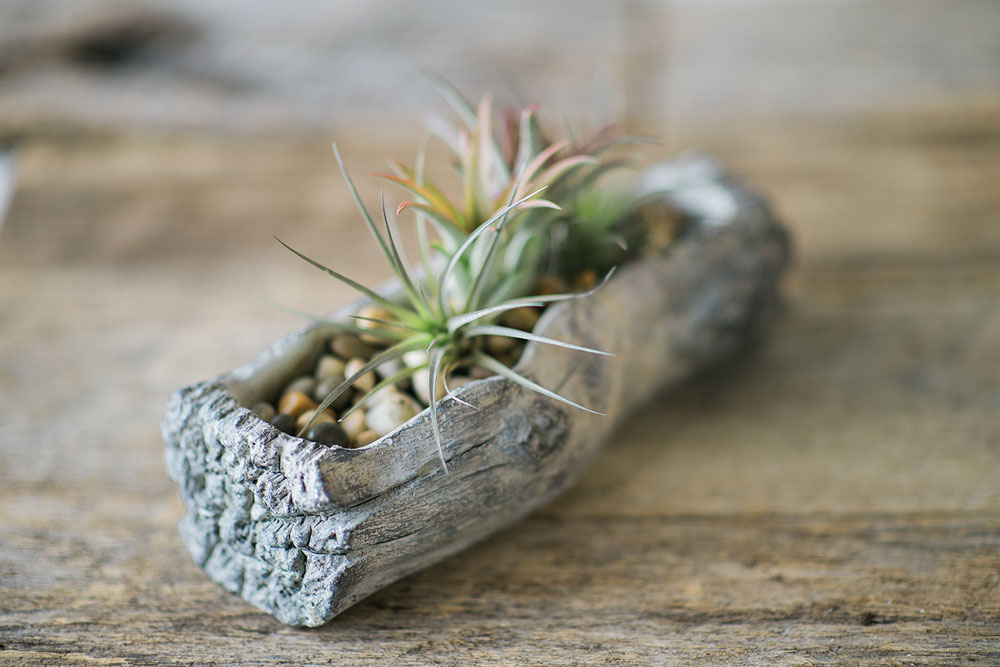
(304, 530)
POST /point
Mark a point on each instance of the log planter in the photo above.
(303, 531)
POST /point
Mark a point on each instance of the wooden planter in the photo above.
(304, 531)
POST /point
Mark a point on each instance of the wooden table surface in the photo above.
(831, 498)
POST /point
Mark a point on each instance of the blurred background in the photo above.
(150, 149)
(262, 67)
(754, 81)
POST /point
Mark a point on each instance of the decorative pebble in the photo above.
(392, 411)
(285, 423)
(661, 222)
(330, 434)
(456, 381)
(263, 410)
(388, 368)
(524, 318)
(378, 313)
(328, 366)
(415, 358)
(366, 438)
(549, 284)
(511, 356)
(364, 383)
(304, 384)
(585, 280)
(349, 346)
(307, 416)
(294, 403)
(354, 423)
(324, 388)
(499, 344)
(380, 394)
(421, 381)
(478, 372)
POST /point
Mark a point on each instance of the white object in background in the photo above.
(8, 181)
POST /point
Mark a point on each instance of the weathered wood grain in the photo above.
(832, 499)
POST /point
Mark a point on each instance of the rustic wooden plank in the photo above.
(830, 500)
(912, 588)
(101, 65)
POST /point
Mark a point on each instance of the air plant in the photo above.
(589, 231)
(494, 169)
(594, 232)
(426, 320)
(489, 251)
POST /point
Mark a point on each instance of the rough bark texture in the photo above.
(304, 531)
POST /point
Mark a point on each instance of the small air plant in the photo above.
(590, 230)
(496, 169)
(429, 321)
(489, 252)
(594, 232)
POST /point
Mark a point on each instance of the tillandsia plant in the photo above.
(490, 249)
(494, 166)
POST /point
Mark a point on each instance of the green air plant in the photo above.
(585, 232)
(593, 232)
(427, 320)
(493, 171)
(489, 250)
